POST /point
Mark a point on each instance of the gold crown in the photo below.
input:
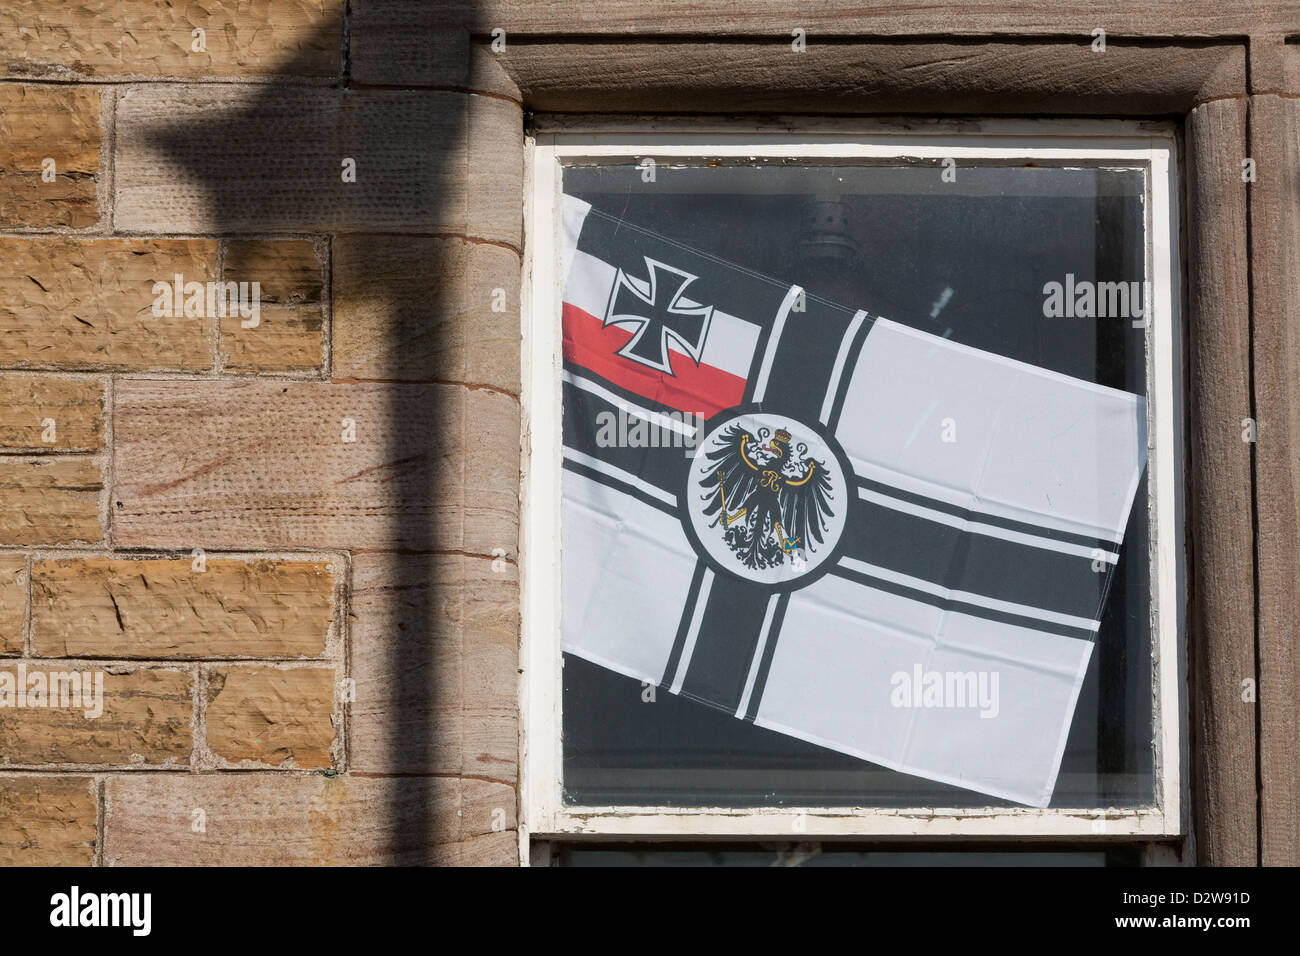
(781, 435)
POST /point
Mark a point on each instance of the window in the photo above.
(937, 367)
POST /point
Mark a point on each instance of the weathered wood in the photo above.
(838, 18)
(1268, 63)
(943, 77)
(267, 464)
(272, 158)
(1291, 69)
(1222, 613)
(256, 818)
(1275, 147)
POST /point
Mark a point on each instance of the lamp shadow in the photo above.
(270, 159)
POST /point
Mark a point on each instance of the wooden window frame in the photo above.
(559, 143)
(1203, 85)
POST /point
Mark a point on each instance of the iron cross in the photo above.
(660, 315)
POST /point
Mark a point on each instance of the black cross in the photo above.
(667, 318)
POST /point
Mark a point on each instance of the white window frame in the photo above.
(558, 142)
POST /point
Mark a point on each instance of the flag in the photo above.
(827, 523)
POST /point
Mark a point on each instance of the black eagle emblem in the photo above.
(771, 501)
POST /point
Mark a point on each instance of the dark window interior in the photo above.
(967, 260)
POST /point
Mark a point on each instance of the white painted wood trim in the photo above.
(563, 140)
(798, 823)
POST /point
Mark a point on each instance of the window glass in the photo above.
(686, 272)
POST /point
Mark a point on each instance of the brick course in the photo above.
(50, 139)
(47, 820)
(206, 608)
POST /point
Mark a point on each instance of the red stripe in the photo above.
(695, 388)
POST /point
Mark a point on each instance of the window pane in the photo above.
(964, 261)
(816, 854)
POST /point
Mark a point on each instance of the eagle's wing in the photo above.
(730, 472)
(805, 504)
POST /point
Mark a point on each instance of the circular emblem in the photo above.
(767, 498)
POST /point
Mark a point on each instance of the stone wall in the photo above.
(287, 549)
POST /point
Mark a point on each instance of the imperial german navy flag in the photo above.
(824, 564)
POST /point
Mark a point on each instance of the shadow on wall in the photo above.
(422, 238)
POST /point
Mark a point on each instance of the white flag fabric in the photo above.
(884, 543)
